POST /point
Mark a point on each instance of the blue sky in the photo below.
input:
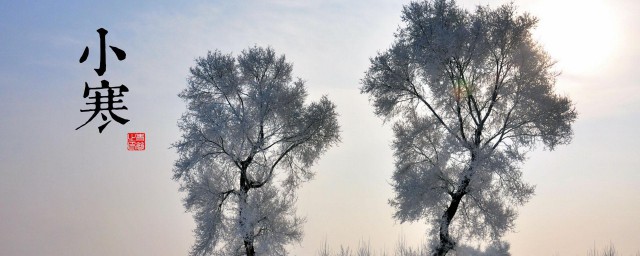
(68, 192)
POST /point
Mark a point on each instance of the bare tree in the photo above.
(248, 142)
(470, 94)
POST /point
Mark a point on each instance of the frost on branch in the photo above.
(469, 94)
(249, 140)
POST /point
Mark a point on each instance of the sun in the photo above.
(581, 36)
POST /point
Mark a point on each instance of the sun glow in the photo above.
(581, 35)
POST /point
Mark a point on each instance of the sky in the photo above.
(79, 192)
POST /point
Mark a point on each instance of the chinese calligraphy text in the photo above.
(105, 98)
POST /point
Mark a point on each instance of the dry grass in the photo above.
(364, 249)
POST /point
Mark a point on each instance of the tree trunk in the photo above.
(245, 224)
(446, 242)
(248, 246)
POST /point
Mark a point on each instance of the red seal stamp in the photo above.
(136, 141)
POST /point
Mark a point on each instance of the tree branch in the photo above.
(224, 196)
(415, 93)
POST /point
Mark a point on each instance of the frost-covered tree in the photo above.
(249, 140)
(470, 93)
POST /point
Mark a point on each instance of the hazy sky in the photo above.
(68, 192)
